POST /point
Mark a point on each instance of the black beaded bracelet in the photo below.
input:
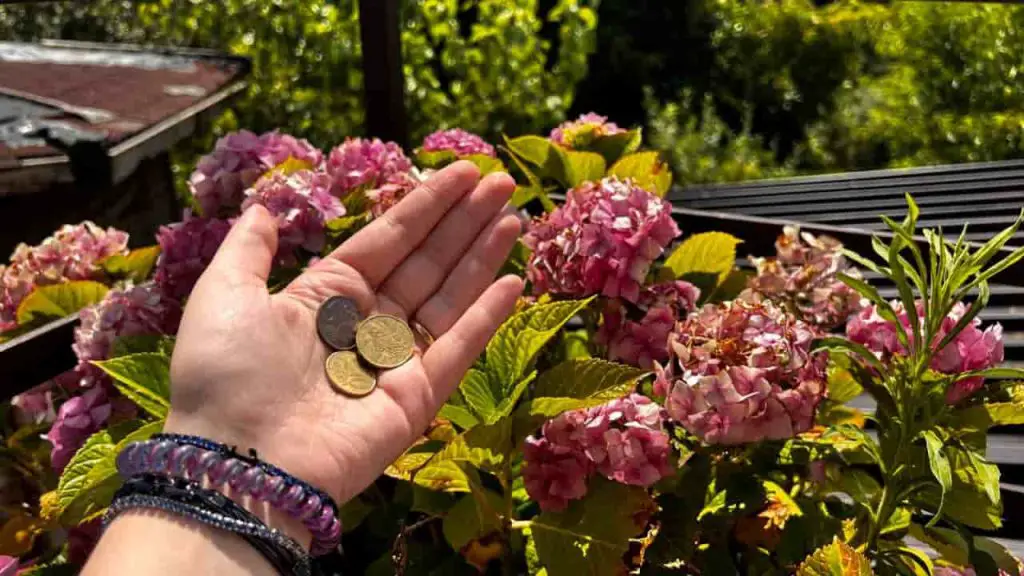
(189, 500)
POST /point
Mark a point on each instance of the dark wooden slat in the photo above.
(1011, 209)
(36, 356)
(797, 210)
(380, 32)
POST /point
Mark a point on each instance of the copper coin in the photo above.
(384, 341)
(348, 375)
(336, 322)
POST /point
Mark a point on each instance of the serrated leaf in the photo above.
(647, 171)
(897, 522)
(459, 416)
(473, 516)
(842, 387)
(539, 152)
(705, 259)
(591, 536)
(134, 266)
(476, 390)
(582, 167)
(125, 345)
(514, 346)
(508, 403)
(346, 225)
(587, 378)
(835, 559)
(614, 146)
(434, 158)
(486, 164)
(938, 462)
(59, 300)
(145, 378)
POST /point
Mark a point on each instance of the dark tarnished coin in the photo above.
(348, 375)
(336, 322)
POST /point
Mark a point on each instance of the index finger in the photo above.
(380, 247)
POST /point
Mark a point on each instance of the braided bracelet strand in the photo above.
(176, 458)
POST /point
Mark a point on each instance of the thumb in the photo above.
(247, 252)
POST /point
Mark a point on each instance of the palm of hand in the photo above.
(248, 368)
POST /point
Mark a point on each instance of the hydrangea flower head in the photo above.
(602, 240)
(742, 372)
(77, 419)
(359, 162)
(580, 132)
(398, 186)
(302, 203)
(644, 341)
(971, 349)
(221, 177)
(623, 440)
(803, 275)
(276, 147)
(186, 249)
(72, 253)
(459, 141)
(138, 310)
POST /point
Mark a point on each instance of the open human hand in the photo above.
(248, 366)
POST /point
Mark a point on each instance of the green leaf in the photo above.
(134, 266)
(59, 300)
(434, 158)
(939, 464)
(1005, 373)
(897, 522)
(984, 416)
(705, 259)
(539, 152)
(613, 146)
(591, 536)
(835, 559)
(985, 473)
(354, 511)
(844, 346)
(472, 517)
(514, 346)
(58, 567)
(346, 225)
(459, 416)
(476, 390)
(482, 447)
(948, 543)
(508, 403)
(582, 167)
(860, 485)
(647, 171)
(145, 378)
(486, 164)
(125, 345)
(842, 387)
(590, 378)
(728, 289)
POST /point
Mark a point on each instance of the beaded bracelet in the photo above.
(196, 458)
(189, 500)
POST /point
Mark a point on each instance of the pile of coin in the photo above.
(380, 341)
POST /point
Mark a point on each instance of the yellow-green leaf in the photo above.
(473, 516)
(59, 300)
(835, 559)
(582, 167)
(134, 266)
(646, 169)
(486, 164)
(434, 158)
(477, 392)
(145, 378)
(704, 259)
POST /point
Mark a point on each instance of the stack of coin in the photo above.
(380, 341)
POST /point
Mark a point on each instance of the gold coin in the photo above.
(347, 375)
(384, 341)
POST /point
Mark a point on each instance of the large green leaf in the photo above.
(540, 152)
(613, 146)
(842, 387)
(486, 164)
(483, 447)
(125, 345)
(835, 559)
(646, 169)
(582, 167)
(145, 378)
(434, 158)
(134, 266)
(704, 259)
(938, 462)
(514, 346)
(581, 383)
(458, 415)
(473, 516)
(591, 536)
(476, 390)
(59, 300)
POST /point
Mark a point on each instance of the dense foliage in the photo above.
(647, 407)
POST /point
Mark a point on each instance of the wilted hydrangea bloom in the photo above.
(459, 141)
(580, 132)
(971, 349)
(803, 277)
(302, 203)
(36, 405)
(276, 147)
(138, 310)
(644, 342)
(603, 239)
(222, 176)
(186, 249)
(358, 162)
(397, 187)
(741, 372)
(72, 253)
(78, 418)
(623, 440)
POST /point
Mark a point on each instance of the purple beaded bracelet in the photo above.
(219, 466)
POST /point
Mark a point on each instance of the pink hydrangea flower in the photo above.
(459, 141)
(603, 239)
(186, 249)
(580, 132)
(8, 566)
(276, 147)
(644, 342)
(359, 162)
(72, 253)
(803, 277)
(742, 372)
(36, 405)
(78, 418)
(302, 203)
(222, 176)
(623, 440)
(396, 187)
(971, 349)
(138, 310)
